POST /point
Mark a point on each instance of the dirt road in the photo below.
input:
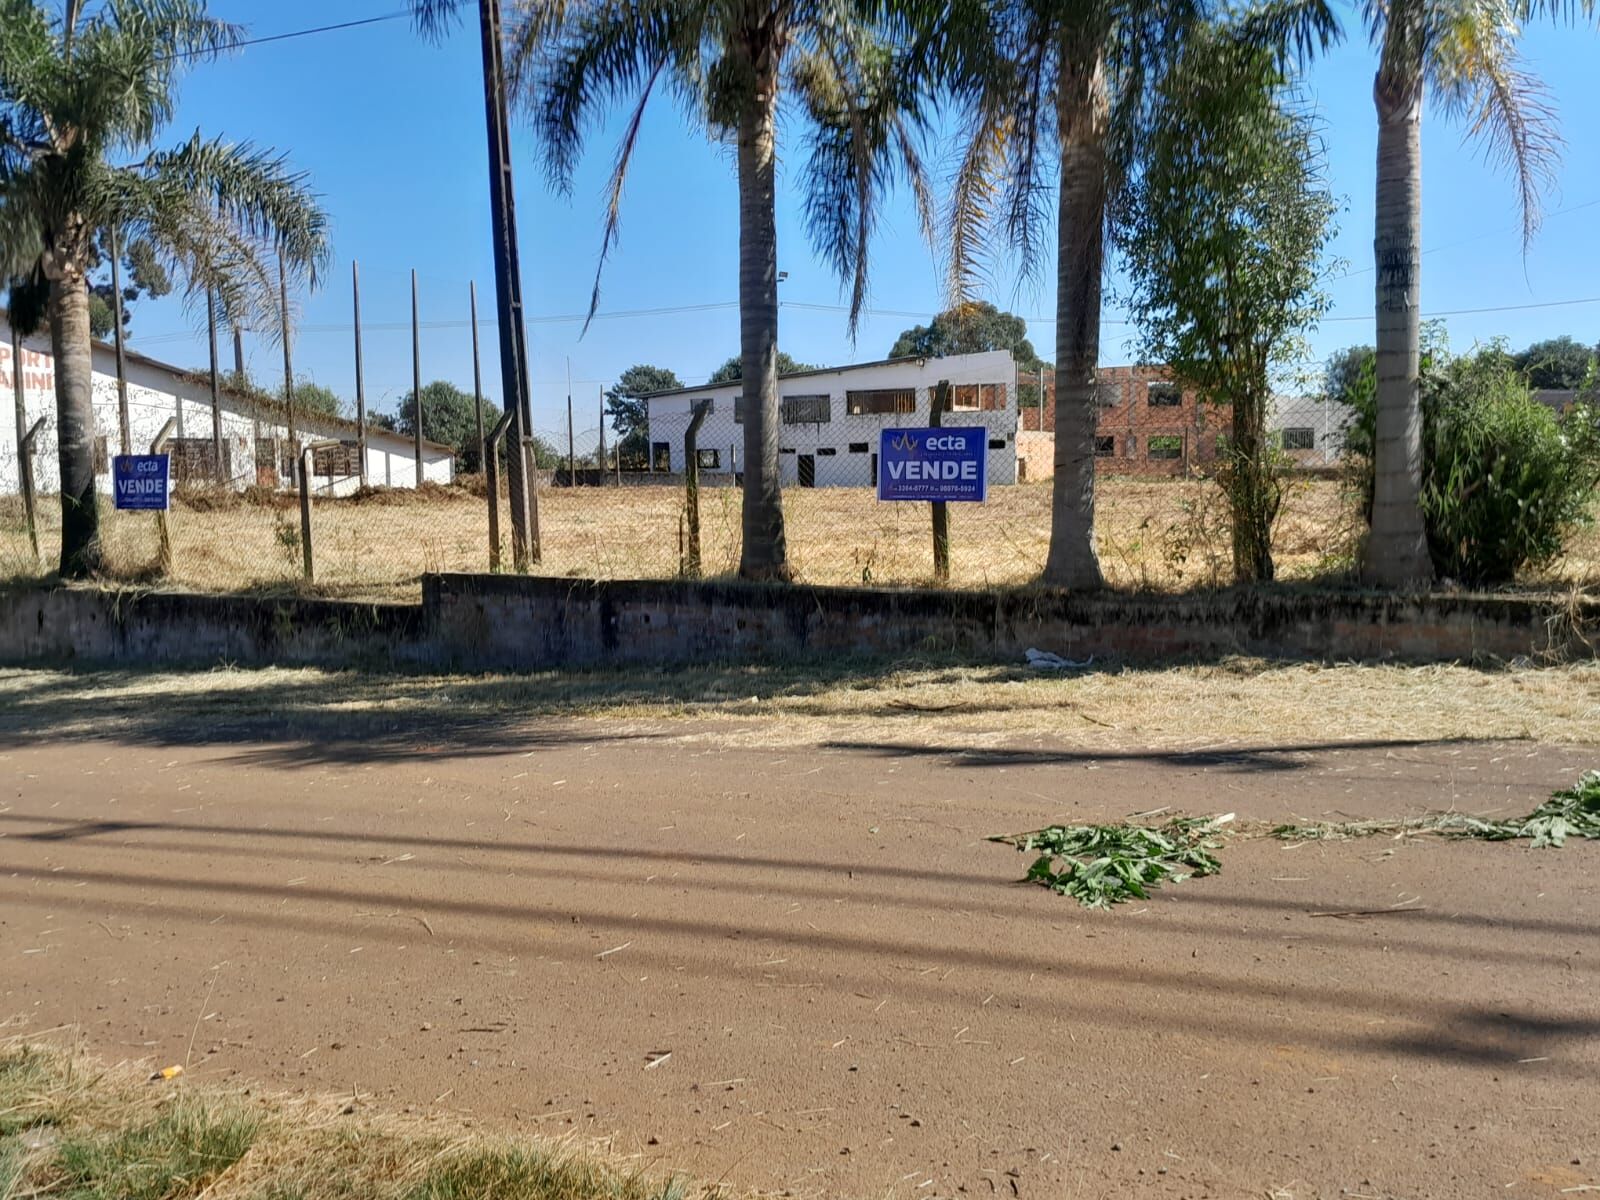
(804, 971)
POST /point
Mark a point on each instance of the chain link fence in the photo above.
(1162, 520)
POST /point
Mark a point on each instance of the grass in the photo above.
(1102, 865)
(69, 1131)
(1154, 534)
(1163, 535)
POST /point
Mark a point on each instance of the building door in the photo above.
(808, 470)
(661, 456)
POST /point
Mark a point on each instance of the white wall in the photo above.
(156, 393)
(670, 415)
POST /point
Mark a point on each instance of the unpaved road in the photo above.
(803, 969)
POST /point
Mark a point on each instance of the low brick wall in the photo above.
(161, 628)
(489, 622)
(497, 622)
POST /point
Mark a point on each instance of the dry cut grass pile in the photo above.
(931, 703)
(74, 1130)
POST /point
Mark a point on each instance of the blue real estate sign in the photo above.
(140, 481)
(934, 464)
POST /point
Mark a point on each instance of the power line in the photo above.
(295, 33)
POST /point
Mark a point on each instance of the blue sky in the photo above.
(390, 131)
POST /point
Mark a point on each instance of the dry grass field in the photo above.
(1165, 535)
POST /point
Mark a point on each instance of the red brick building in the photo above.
(1147, 424)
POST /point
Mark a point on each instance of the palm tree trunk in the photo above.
(74, 363)
(1081, 211)
(764, 554)
(1397, 549)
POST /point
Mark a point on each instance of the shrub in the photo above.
(1505, 481)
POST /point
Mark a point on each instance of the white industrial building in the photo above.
(831, 419)
(256, 449)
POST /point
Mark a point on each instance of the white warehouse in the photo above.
(831, 419)
(255, 439)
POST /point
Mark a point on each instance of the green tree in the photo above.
(630, 414)
(315, 398)
(1342, 372)
(1068, 84)
(449, 416)
(1562, 363)
(971, 328)
(1466, 51)
(733, 65)
(733, 369)
(82, 99)
(142, 275)
(1222, 232)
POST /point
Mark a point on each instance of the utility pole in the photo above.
(508, 291)
(477, 370)
(361, 386)
(125, 426)
(216, 387)
(600, 461)
(288, 370)
(416, 378)
(572, 457)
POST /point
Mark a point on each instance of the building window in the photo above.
(661, 456)
(708, 460)
(1299, 438)
(193, 460)
(858, 447)
(1105, 446)
(807, 410)
(1164, 395)
(331, 462)
(880, 400)
(977, 397)
(1165, 445)
(997, 443)
(785, 449)
(826, 451)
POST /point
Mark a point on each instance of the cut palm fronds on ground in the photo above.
(1572, 812)
(1102, 865)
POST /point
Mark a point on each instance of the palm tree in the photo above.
(82, 99)
(1466, 51)
(1071, 81)
(731, 63)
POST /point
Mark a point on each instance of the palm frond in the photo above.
(435, 18)
(604, 53)
(1293, 30)
(614, 186)
(1478, 74)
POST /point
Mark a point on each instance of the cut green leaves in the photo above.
(1102, 865)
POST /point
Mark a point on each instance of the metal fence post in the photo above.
(163, 531)
(25, 478)
(941, 510)
(491, 480)
(691, 473)
(303, 469)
